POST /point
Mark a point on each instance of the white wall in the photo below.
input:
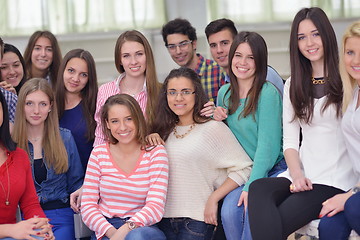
(101, 45)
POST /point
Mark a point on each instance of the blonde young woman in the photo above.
(52, 151)
(341, 213)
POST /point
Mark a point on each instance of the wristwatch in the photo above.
(131, 225)
(355, 190)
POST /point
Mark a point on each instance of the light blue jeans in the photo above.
(235, 219)
(141, 233)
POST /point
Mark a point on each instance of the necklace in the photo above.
(317, 81)
(34, 139)
(186, 133)
(7, 203)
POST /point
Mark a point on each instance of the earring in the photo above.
(49, 110)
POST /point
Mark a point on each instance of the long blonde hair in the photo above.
(349, 83)
(54, 150)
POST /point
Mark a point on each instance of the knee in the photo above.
(230, 209)
(352, 207)
(145, 233)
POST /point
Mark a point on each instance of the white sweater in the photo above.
(323, 152)
(198, 164)
(351, 129)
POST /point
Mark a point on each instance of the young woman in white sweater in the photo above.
(206, 161)
(318, 166)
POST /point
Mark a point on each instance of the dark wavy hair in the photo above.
(260, 54)
(178, 25)
(5, 136)
(166, 119)
(88, 93)
(301, 88)
(13, 49)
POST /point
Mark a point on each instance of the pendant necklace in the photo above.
(7, 203)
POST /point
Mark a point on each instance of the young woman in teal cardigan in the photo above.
(252, 108)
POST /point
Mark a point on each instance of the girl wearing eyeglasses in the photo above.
(205, 160)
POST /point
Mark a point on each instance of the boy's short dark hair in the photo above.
(219, 25)
(178, 25)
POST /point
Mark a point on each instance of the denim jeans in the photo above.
(186, 229)
(234, 218)
(9, 238)
(141, 233)
(63, 221)
(340, 225)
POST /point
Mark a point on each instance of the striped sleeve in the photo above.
(153, 210)
(90, 212)
(105, 91)
(110, 192)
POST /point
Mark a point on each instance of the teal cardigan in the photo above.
(261, 134)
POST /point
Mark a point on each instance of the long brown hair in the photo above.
(53, 146)
(301, 88)
(259, 52)
(56, 60)
(166, 119)
(152, 84)
(88, 93)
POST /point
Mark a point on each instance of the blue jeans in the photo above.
(186, 229)
(63, 221)
(340, 225)
(141, 233)
(235, 219)
(9, 238)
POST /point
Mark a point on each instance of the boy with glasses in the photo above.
(180, 39)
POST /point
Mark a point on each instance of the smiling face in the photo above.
(133, 58)
(42, 54)
(352, 57)
(220, 44)
(243, 63)
(181, 99)
(12, 70)
(184, 53)
(37, 108)
(121, 124)
(75, 75)
(309, 41)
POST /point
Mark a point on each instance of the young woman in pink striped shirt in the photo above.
(126, 182)
(134, 61)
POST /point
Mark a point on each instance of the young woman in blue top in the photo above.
(252, 108)
(54, 158)
(75, 94)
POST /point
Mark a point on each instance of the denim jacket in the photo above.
(60, 186)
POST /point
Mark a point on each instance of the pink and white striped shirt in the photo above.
(107, 90)
(110, 192)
